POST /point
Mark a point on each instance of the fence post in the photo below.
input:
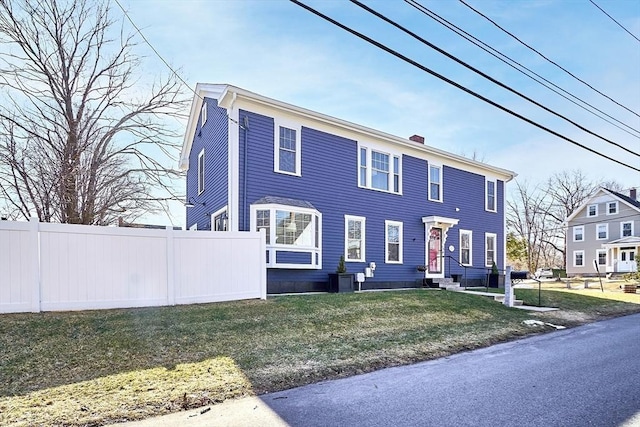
(263, 264)
(508, 290)
(171, 291)
(34, 264)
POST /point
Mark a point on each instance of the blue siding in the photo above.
(330, 182)
(293, 257)
(213, 138)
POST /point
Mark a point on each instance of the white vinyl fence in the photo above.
(49, 267)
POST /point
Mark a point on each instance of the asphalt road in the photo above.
(586, 376)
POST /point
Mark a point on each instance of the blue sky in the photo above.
(277, 49)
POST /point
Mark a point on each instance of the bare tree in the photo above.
(83, 138)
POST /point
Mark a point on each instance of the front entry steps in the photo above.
(447, 283)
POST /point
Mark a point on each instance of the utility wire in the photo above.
(486, 76)
(175, 73)
(547, 59)
(611, 17)
(510, 61)
(451, 82)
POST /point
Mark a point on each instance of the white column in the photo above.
(508, 290)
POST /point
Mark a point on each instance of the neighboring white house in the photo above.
(604, 230)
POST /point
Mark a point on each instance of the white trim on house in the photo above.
(575, 253)
(622, 223)
(363, 222)
(608, 208)
(578, 229)
(494, 237)
(440, 184)
(470, 234)
(486, 195)
(297, 128)
(201, 172)
(369, 148)
(387, 224)
(233, 170)
(590, 199)
(218, 213)
(203, 115)
(606, 231)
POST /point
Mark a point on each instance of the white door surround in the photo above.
(435, 229)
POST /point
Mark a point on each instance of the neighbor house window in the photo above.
(490, 251)
(578, 233)
(378, 170)
(393, 242)
(490, 200)
(602, 231)
(435, 183)
(219, 220)
(601, 256)
(612, 208)
(578, 258)
(465, 247)
(354, 230)
(287, 149)
(626, 229)
(293, 235)
(592, 210)
(201, 171)
(203, 115)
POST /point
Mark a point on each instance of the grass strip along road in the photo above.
(97, 367)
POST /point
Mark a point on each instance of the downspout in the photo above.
(245, 128)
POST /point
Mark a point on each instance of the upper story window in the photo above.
(490, 196)
(201, 172)
(287, 148)
(602, 231)
(626, 229)
(203, 115)
(379, 170)
(578, 233)
(612, 208)
(465, 247)
(592, 210)
(354, 238)
(435, 183)
(293, 234)
(393, 242)
(490, 245)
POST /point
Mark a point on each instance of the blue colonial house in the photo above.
(402, 212)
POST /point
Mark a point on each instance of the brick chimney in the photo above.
(417, 138)
(633, 194)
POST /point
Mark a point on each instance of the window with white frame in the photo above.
(490, 195)
(466, 238)
(592, 210)
(601, 256)
(602, 231)
(490, 248)
(379, 170)
(578, 258)
(578, 233)
(626, 229)
(203, 115)
(287, 148)
(201, 171)
(612, 208)
(435, 183)
(291, 233)
(219, 219)
(393, 242)
(354, 238)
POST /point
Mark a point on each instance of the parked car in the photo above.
(543, 273)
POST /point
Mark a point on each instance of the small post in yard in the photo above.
(508, 290)
(595, 265)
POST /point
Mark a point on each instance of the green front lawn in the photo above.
(94, 367)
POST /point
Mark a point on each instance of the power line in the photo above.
(544, 57)
(611, 17)
(510, 61)
(175, 73)
(486, 76)
(451, 82)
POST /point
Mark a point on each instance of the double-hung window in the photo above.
(293, 234)
(602, 231)
(379, 170)
(201, 171)
(203, 115)
(592, 210)
(602, 257)
(435, 183)
(287, 148)
(490, 195)
(626, 229)
(578, 233)
(490, 248)
(354, 238)
(219, 220)
(612, 208)
(578, 258)
(393, 242)
(465, 247)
